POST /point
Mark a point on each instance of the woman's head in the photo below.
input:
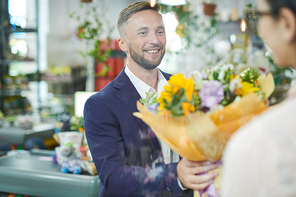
(276, 5)
(277, 27)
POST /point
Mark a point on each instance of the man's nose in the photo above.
(154, 38)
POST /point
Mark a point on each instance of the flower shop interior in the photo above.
(56, 53)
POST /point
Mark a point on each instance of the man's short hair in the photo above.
(131, 9)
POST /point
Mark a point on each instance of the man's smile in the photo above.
(153, 51)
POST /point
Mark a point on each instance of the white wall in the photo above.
(62, 42)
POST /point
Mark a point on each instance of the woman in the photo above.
(260, 158)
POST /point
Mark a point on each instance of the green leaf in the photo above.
(250, 76)
(249, 5)
(82, 54)
(93, 19)
(151, 99)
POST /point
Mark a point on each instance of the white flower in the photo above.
(234, 84)
(197, 78)
(237, 99)
(221, 75)
(196, 75)
(207, 23)
(224, 68)
(199, 84)
(229, 66)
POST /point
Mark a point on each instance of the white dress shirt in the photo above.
(169, 156)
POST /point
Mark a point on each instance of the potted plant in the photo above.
(186, 20)
(191, 25)
(209, 7)
(93, 26)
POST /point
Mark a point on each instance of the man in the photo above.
(127, 154)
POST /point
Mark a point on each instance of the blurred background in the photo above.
(54, 54)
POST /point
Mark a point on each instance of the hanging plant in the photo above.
(93, 25)
(209, 9)
(185, 18)
(190, 24)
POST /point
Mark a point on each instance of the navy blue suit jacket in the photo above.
(126, 153)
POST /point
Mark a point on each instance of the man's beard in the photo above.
(142, 61)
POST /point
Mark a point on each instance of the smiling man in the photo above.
(129, 158)
(144, 40)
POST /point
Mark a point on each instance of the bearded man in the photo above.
(129, 158)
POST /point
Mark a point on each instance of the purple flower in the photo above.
(210, 190)
(153, 108)
(211, 93)
(204, 75)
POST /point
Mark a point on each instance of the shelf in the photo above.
(19, 30)
(76, 80)
(7, 93)
(14, 65)
(6, 62)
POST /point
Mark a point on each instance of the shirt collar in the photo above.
(142, 87)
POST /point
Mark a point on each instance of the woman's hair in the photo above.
(276, 5)
(133, 8)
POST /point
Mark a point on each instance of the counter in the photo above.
(35, 174)
(18, 136)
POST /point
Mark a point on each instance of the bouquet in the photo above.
(196, 115)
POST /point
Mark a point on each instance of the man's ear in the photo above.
(122, 44)
(288, 24)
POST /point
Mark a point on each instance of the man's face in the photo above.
(145, 36)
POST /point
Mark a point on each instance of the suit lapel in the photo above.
(129, 96)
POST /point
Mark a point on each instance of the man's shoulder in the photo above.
(111, 89)
(105, 92)
(166, 75)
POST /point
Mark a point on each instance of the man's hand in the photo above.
(188, 174)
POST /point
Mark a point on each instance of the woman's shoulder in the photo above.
(271, 124)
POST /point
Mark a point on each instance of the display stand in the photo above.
(18, 136)
(36, 174)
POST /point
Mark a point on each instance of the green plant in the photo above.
(282, 76)
(250, 16)
(1, 115)
(77, 123)
(191, 25)
(185, 18)
(210, 27)
(93, 25)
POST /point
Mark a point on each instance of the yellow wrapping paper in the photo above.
(199, 136)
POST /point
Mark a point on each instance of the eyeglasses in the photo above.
(252, 18)
(255, 14)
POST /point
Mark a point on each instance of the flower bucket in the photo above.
(209, 9)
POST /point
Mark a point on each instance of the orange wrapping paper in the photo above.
(199, 136)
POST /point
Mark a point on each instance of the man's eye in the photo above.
(161, 32)
(142, 33)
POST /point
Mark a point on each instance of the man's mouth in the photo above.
(153, 51)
